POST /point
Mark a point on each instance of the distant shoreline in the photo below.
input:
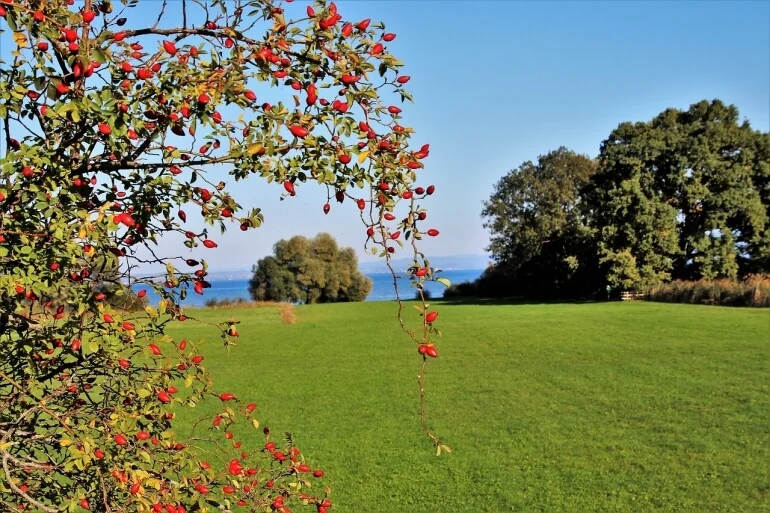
(246, 275)
(233, 288)
(450, 263)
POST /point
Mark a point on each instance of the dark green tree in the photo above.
(272, 282)
(540, 238)
(309, 271)
(685, 196)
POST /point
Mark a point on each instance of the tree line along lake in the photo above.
(382, 287)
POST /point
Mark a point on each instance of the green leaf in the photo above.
(99, 55)
(9, 19)
(146, 456)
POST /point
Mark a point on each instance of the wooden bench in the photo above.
(631, 296)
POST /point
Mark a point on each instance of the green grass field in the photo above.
(593, 407)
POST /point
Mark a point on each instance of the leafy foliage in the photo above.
(540, 234)
(309, 271)
(109, 129)
(684, 196)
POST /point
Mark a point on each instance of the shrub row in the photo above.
(462, 289)
(754, 291)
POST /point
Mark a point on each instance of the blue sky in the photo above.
(500, 82)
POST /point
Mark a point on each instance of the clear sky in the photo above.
(500, 82)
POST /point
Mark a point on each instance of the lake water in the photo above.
(382, 288)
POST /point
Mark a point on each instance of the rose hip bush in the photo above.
(109, 130)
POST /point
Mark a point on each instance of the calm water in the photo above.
(382, 288)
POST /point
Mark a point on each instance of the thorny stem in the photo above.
(423, 422)
(416, 253)
(421, 375)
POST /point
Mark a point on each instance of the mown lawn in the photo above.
(593, 407)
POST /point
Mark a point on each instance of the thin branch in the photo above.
(160, 15)
(119, 166)
(19, 490)
(146, 143)
(105, 496)
(30, 462)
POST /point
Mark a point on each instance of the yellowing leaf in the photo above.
(151, 311)
(255, 423)
(362, 156)
(254, 148)
(64, 442)
(20, 39)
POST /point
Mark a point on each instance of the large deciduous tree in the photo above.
(540, 240)
(111, 120)
(310, 271)
(683, 196)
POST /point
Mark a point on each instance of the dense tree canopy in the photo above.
(539, 228)
(310, 271)
(684, 196)
(113, 124)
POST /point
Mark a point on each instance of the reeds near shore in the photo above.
(753, 291)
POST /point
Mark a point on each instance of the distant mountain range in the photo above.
(446, 263)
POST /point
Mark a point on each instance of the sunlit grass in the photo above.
(595, 407)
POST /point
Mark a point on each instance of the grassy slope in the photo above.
(596, 407)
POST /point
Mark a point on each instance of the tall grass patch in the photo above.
(753, 291)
